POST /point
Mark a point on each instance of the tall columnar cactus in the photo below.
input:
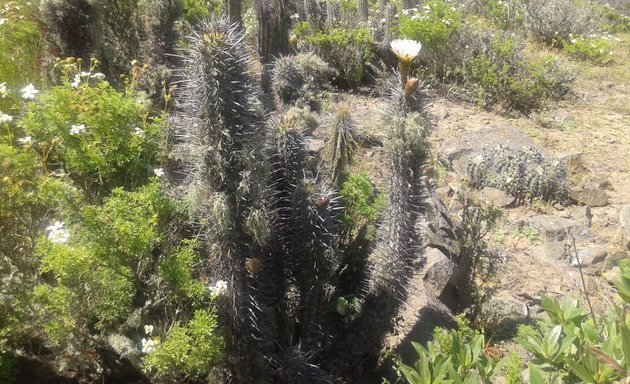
(332, 12)
(399, 245)
(218, 132)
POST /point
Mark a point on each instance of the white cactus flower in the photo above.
(406, 50)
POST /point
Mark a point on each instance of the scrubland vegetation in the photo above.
(163, 217)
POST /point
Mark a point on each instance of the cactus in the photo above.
(364, 10)
(525, 173)
(218, 132)
(300, 78)
(341, 146)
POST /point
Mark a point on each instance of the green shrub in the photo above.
(596, 50)
(433, 24)
(362, 204)
(456, 356)
(189, 350)
(554, 21)
(178, 270)
(100, 137)
(613, 21)
(21, 49)
(197, 10)
(347, 51)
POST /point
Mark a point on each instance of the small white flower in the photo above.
(98, 76)
(57, 234)
(84, 74)
(134, 62)
(3, 90)
(77, 129)
(138, 132)
(295, 16)
(446, 22)
(159, 172)
(148, 329)
(25, 140)
(4, 118)
(218, 289)
(148, 346)
(2, 21)
(77, 80)
(406, 50)
(29, 92)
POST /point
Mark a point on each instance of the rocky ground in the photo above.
(537, 241)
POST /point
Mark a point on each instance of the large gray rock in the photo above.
(554, 228)
(589, 256)
(590, 196)
(440, 272)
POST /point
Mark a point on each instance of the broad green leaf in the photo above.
(579, 370)
(623, 287)
(535, 375)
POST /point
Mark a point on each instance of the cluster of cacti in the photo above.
(286, 324)
(525, 173)
(300, 78)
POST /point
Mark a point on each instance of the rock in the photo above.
(554, 228)
(440, 271)
(589, 256)
(313, 145)
(497, 197)
(614, 258)
(593, 197)
(455, 149)
(582, 215)
(440, 228)
(597, 182)
(624, 220)
(551, 250)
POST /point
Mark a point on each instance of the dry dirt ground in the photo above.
(594, 122)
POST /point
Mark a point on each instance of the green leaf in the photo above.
(411, 375)
(623, 286)
(579, 370)
(625, 340)
(535, 375)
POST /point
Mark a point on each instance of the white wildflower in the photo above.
(148, 329)
(218, 289)
(134, 62)
(25, 140)
(3, 90)
(148, 346)
(446, 22)
(85, 74)
(57, 234)
(406, 50)
(295, 16)
(138, 132)
(2, 21)
(159, 172)
(77, 80)
(4, 118)
(29, 92)
(98, 76)
(77, 129)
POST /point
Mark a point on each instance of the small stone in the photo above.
(593, 197)
(554, 228)
(582, 215)
(497, 197)
(613, 275)
(624, 220)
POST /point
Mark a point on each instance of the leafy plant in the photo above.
(596, 50)
(192, 349)
(432, 24)
(98, 136)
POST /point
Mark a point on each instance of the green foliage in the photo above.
(363, 205)
(346, 50)
(555, 21)
(457, 357)
(300, 78)
(21, 49)
(613, 21)
(432, 25)
(573, 347)
(179, 272)
(100, 137)
(513, 369)
(192, 350)
(197, 10)
(596, 50)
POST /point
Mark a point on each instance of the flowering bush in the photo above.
(100, 137)
(596, 50)
(432, 24)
